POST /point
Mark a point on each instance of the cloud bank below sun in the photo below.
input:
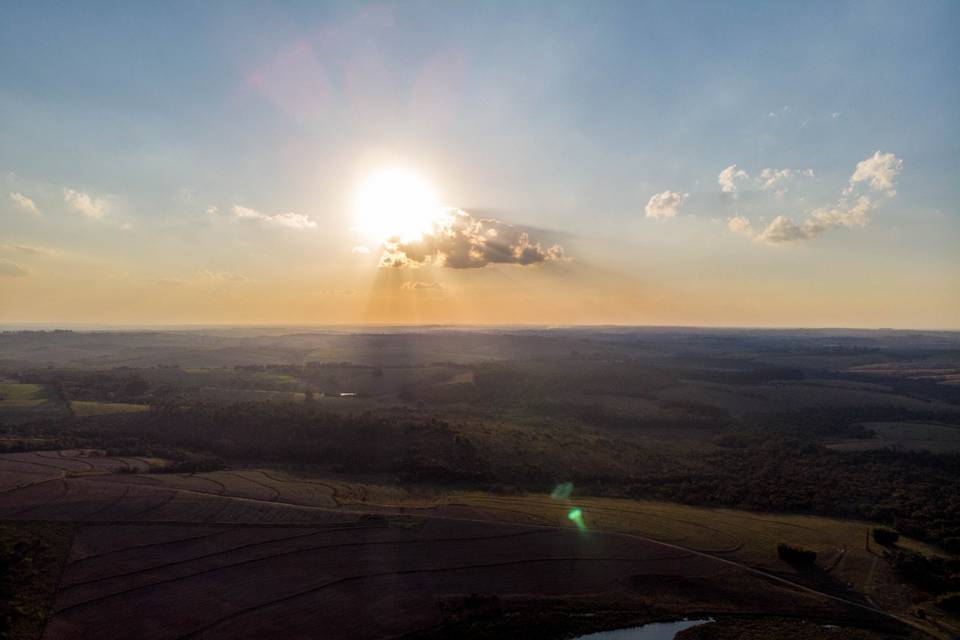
(458, 240)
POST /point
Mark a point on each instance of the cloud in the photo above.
(171, 282)
(220, 276)
(11, 270)
(783, 229)
(666, 204)
(336, 293)
(23, 202)
(879, 171)
(728, 178)
(244, 212)
(29, 250)
(740, 225)
(288, 219)
(846, 213)
(85, 204)
(460, 241)
(776, 180)
(293, 220)
(420, 286)
(361, 249)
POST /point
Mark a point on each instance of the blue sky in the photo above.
(563, 118)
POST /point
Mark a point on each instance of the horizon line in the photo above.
(195, 326)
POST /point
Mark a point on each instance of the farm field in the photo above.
(784, 395)
(485, 484)
(240, 552)
(906, 436)
(27, 402)
(84, 408)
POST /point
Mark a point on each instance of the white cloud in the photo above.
(777, 180)
(666, 204)
(213, 211)
(23, 202)
(11, 270)
(846, 213)
(879, 171)
(85, 204)
(244, 212)
(362, 249)
(741, 226)
(728, 178)
(293, 220)
(783, 229)
(288, 219)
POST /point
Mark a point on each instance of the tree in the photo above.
(135, 385)
(884, 536)
(796, 556)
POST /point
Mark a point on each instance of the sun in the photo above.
(396, 203)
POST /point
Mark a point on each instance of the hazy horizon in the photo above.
(93, 327)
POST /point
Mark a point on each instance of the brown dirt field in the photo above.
(245, 589)
(249, 553)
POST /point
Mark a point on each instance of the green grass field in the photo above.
(20, 403)
(906, 436)
(25, 395)
(82, 408)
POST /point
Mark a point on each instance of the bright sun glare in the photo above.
(396, 203)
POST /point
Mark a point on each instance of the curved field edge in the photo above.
(746, 538)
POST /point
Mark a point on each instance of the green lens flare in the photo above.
(576, 515)
(562, 491)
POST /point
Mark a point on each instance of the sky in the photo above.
(651, 163)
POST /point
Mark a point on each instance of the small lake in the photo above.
(652, 631)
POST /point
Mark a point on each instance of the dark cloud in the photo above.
(461, 241)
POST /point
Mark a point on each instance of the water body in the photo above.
(652, 631)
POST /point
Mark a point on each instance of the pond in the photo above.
(652, 631)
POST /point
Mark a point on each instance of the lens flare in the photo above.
(562, 491)
(576, 516)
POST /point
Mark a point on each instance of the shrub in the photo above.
(796, 556)
(933, 574)
(884, 536)
(950, 603)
